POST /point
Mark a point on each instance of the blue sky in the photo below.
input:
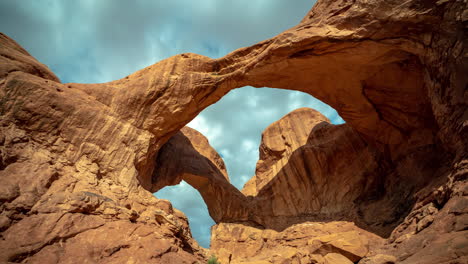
(91, 41)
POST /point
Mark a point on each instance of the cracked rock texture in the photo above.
(78, 162)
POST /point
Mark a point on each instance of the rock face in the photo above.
(279, 141)
(78, 161)
(61, 208)
(302, 243)
(310, 170)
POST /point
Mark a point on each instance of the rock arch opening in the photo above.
(187, 199)
(234, 126)
(385, 134)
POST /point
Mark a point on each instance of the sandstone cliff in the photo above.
(78, 161)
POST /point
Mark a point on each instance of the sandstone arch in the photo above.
(377, 86)
(86, 152)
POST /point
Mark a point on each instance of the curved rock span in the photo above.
(188, 156)
(77, 161)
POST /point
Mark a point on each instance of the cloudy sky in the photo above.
(91, 41)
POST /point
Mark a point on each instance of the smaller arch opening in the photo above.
(188, 200)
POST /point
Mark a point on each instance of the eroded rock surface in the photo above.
(188, 156)
(328, 172)
(309, 242)
(60, 208)
(310, 170)
(279, 141)
(77, 161)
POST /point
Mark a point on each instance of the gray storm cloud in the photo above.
(107, 39)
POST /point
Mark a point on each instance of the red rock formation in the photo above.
(279, 141)
(77, 160)
(311, 170)
(188, 156)
(59, 204)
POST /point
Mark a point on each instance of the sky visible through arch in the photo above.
(89, 41)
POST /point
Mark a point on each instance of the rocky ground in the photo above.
(79, 162)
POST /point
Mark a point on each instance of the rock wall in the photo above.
(310, 170)
(78, 160)
(310, 242)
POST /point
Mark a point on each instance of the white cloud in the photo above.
(248, 145)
